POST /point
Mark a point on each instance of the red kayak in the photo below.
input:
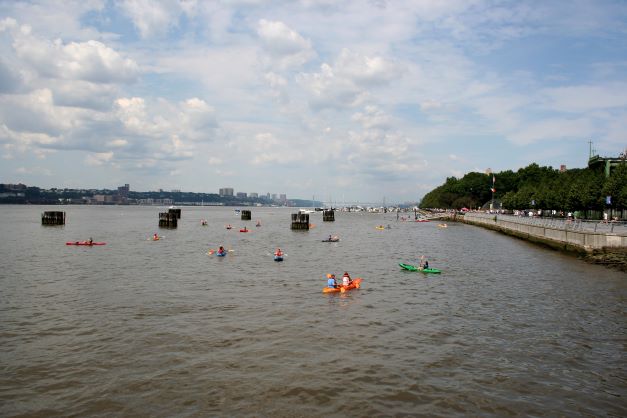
(243, 230)
(85, 243)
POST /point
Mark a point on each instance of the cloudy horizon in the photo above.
(353, 100)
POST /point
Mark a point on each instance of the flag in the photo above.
(493, 188)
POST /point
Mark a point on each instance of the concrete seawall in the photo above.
(560, 235)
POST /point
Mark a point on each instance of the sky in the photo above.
(347, 101)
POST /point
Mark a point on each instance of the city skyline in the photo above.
(349, 101)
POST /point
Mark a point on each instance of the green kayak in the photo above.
(414, 268)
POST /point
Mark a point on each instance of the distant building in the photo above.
(158, 202)
(562, 168)
(488, 171)
(103, 199)
(123, 191)
(176, 190)
(254, 195)
(121, 197)
(226, 191)
(242, 195)
(274, 196)
(283, 198)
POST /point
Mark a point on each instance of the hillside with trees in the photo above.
(535, 187)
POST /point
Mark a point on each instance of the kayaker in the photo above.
(278, 252)
(346, 279)
(221, 250)
(91, 241)
(155, 236)
(332, 283)
(424, 263)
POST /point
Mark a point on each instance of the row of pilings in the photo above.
(170, 218)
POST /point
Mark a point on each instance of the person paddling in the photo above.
(424, 263)
(221, 250)
(155, 236)
(278, 252)
(331, 282)
(346, 279)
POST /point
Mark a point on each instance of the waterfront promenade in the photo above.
(560, 233)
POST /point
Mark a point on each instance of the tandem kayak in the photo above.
(85, 243)
(414, 268)
(354, 285)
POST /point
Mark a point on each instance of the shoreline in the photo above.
(611, 257)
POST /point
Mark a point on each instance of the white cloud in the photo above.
(177, 149)
(365, 70)
(577, 99)
(327, 90)
(372, 117)
(99, 158)
(89, 61)
(153, 18)
(8, 24)
(118, 143)
(286, 47)
(34, 170)
(553, 129)
(349, 81)
(278, 85)
(279, 39)
(35, 113)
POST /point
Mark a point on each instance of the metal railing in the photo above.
(611, 227)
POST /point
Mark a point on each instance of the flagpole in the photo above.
(492, 189)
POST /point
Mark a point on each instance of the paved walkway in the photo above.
(618, 228)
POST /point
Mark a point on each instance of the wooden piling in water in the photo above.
(328, 216)
(168, 219)
(53, 218)
(246, 215)
(300, 221)
(177, 212)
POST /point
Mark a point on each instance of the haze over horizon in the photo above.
(350, 100)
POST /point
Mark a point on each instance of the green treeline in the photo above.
(536, 187)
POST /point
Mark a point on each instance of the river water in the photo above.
(160, 328)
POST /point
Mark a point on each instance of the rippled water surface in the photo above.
(143, 328)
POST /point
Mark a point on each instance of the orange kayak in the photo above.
(354, 285)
